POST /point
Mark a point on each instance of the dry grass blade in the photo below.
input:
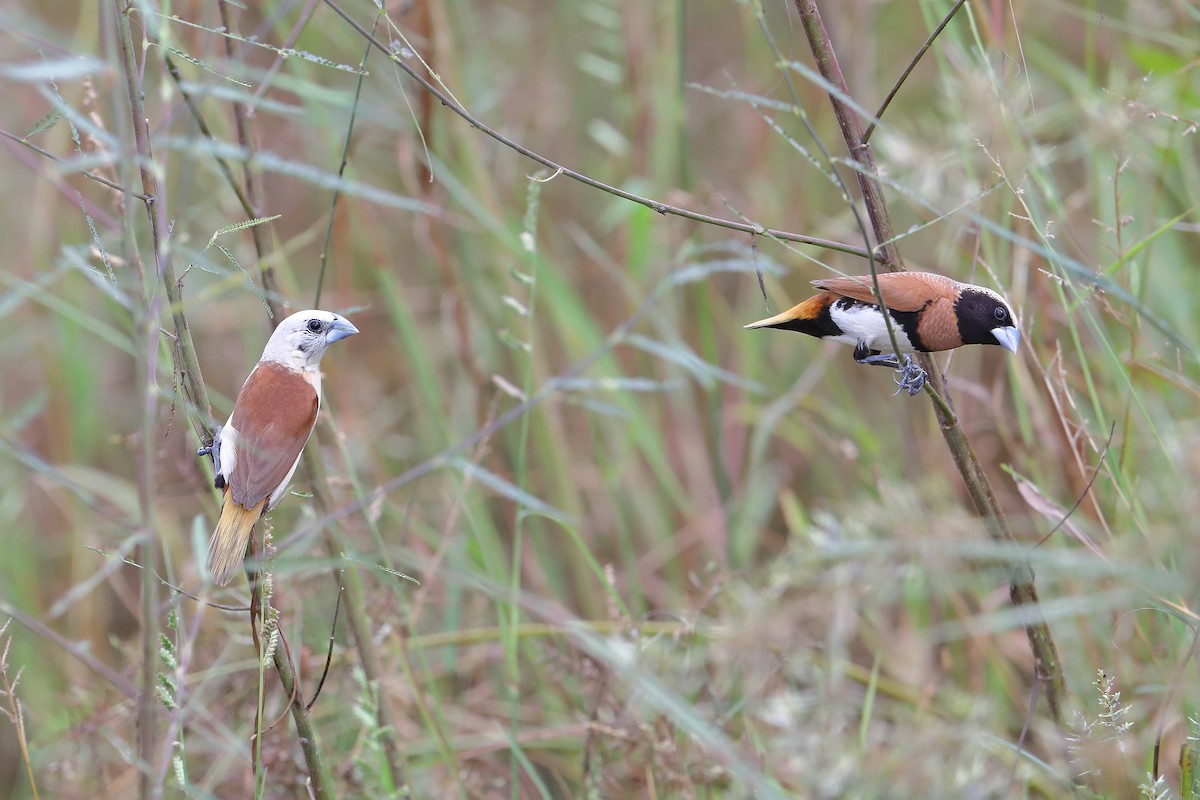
(11, 707)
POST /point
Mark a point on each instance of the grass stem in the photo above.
(1023, 589)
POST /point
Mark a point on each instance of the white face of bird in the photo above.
(301, 339)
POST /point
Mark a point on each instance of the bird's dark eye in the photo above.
(1000, 313)
(314, 325)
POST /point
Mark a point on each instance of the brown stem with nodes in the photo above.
(145, 338)
(1022, 587)
(244, 121)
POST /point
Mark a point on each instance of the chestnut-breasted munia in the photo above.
(929, 313)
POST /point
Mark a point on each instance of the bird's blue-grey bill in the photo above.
(1008, 338)
(339, 330)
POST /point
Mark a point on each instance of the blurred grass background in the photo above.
(707, 562)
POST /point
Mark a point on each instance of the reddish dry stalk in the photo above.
(249, 143)
(1022, 588)
(147, 702)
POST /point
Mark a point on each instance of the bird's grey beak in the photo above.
(1008, 338)
(342, 328)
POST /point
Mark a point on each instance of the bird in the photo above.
(929, 313)
(255, 453)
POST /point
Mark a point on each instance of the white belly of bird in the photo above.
(864, 324)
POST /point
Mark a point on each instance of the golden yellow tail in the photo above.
(801, 317)
(227, 547)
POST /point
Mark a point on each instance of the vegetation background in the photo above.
(603, 541)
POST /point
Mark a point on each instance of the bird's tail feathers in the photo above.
(798, 317)
(227, 547)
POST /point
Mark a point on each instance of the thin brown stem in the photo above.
(321, 781)
(337, 610)
(358, 85)
(222, 163)
(887, 101)
(559, 169)
(851, 128)
(309, 8)
(146, 366)
(13, 710)
(360, 623)
(244, 120)
(187, 363)
(354, 598)
(93, 176)
(1022, 588)
(798, 110)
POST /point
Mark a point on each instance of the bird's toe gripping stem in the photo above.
(909, 377)
(213, 450)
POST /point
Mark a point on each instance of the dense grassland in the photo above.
(583, 535)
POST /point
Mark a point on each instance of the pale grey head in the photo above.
(301, 339)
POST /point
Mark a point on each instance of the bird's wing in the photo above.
(274, 414)
(903, 291)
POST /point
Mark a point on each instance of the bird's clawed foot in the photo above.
(213, 450)
(909, 376)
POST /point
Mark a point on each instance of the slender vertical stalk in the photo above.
(244, 121)
(146, 370)
(1022, 588)
(511, 635)
(318, 771)
(185, 349)
(146, 355)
